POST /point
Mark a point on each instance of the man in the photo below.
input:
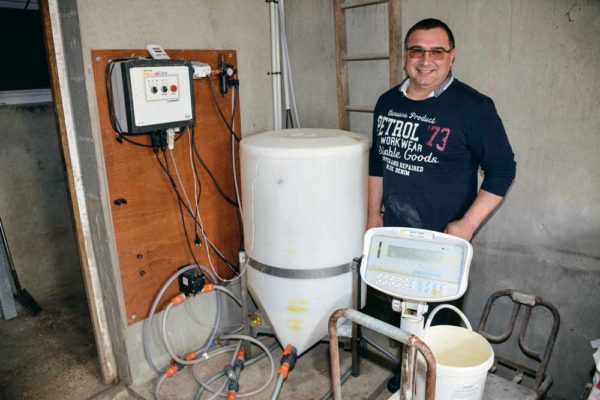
(431, 134)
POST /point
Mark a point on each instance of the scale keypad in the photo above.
(396, 282)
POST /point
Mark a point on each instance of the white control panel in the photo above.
(149, 95)
(416, 264)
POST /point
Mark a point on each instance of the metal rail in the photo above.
(385, 329)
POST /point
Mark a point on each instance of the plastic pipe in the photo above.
(148, 323)
(278, 386)
(266, 350)
(288, 80)
(275, 66)
(220, 374)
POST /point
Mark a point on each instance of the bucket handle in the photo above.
(438, 308)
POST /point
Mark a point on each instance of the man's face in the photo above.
(426, 73)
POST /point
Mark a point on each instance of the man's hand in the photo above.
(461, 228)
(485, 203)
(374, 221)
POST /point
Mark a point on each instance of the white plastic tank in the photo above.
(304, 198)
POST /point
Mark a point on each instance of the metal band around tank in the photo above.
(317, 273)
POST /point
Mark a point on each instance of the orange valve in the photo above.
(288, 361)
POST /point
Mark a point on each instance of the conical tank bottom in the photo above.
(299, 309)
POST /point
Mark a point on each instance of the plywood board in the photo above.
(148, 228)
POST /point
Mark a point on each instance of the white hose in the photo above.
(275, 66)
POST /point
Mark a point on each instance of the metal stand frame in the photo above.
(10, 288)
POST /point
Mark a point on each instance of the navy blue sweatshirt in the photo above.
(429, 151)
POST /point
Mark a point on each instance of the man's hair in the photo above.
(427, 24)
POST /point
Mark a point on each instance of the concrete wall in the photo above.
(182, 24)
(187, 24)
(540, 61)
(34, 204)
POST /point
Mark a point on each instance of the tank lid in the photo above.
(305, 143)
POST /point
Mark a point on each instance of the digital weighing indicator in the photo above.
(416, 264)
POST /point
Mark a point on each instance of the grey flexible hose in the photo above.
(148, 323)
(221, 374)
(278, 386)
(160, 382)
(213, 353)
(165, 339)
(221, 391)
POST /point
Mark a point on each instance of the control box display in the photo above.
(149, 95)
(416, 264)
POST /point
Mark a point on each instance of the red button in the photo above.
(173, 88)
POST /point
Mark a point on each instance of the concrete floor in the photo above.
(310, 379)
(53, 356)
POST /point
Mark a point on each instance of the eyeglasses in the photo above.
(437, 54)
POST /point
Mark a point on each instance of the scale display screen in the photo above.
(416, 264)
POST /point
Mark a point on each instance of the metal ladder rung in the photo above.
(363, 3)
(366, 57)
(394, 54)
(359, 108)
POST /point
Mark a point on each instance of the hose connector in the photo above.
(288, 361)
(180, 298)
(209, 287)
(173, 369)
(230, 373)
(240, 361)
(234, 385)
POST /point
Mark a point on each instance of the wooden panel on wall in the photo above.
(147, 223)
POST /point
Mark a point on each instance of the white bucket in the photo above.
(463, 358)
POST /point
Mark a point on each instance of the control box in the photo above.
(149, 95)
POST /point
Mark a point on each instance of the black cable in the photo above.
(289, 118)
(214, 97)
(196, 222)
(187, 237)
(185, 206)
(209, 172)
